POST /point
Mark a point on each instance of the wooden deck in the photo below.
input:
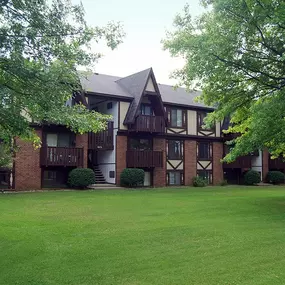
(145, 158)
(103, 140)
(62, 156)
(150, 124)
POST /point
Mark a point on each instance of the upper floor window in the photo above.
(201, 116)
(175, 149)
(146, 109)
(140, 144)
(204, 150)
(60, 139)
(177, 118)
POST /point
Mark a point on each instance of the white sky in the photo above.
(145, 23)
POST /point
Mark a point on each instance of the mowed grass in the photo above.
(216, 235)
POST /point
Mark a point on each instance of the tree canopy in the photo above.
(235, 52)
(42, 43)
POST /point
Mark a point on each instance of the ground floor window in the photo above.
(55, 177)
(175, 178)
(206, 174)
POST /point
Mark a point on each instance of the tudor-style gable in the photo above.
(146, 112)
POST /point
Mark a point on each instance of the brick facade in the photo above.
(82, 142)
(190, 161)
(265, 164)
(159, 173)
(121, 161)
(27, 166)
(218, 173)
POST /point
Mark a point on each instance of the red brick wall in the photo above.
(82, 141)
(27, 166)
(121, 163)
(190, 161)
(159, 173)
(265, 166)
(218, 173)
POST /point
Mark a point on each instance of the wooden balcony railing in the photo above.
(103, 140)
(240, 162)
(62, 156)
(150, 124)
(277, 163)
(144, 158)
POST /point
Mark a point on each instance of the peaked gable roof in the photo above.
(107, 85)
(135, 85)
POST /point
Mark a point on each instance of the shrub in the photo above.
(252, 177)
(199, 182)
(224, 183)
(275, 177)
(132, 177)
(81, 178)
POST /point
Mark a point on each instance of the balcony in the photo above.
(277, 163)
(62, 156)
(103, 140)
(240, 162)
(150, 124)
(144, 158)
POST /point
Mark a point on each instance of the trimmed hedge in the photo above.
(252, 177)
(81, 178)
(132, 177)
(275, 177)
(199, 182)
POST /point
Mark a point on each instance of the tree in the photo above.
(5, 155)
(42, 43)
(235, 52)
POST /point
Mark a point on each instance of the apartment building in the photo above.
(154, 126)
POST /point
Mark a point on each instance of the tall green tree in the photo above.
(235, 52)
(42, 43)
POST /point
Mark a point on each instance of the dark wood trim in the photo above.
(119, 115)
(173, 167)
(178, 136)
(173, 131)
(204, 168)
(188, 107)
(112, 96)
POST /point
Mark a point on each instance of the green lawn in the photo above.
(215, 235)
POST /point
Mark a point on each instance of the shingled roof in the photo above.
(132, 88)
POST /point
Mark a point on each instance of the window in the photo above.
(175, 149)
(175, 178)
(49, 175)
(146, 110)
(201, 116)
(176, 118)
(109, 105)
(204, 150)
(205, 174)
(140, 144)
(60, 139)
(111, 174)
